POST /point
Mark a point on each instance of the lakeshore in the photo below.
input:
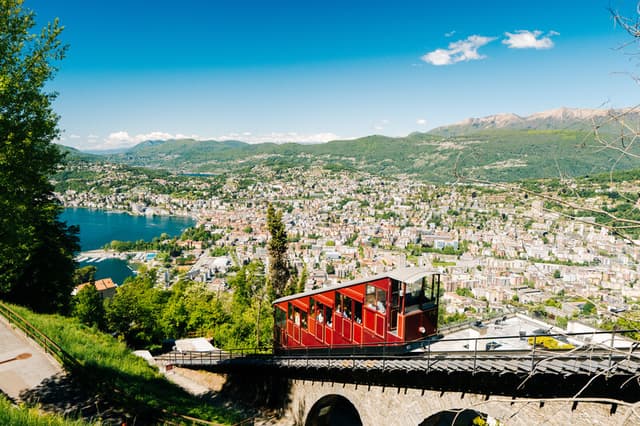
(100, 227)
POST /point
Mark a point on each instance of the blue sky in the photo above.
(319, 70)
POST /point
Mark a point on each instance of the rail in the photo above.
(49, 346)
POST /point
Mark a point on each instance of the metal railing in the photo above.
(584, 346)
(69, 362)
(49, 346)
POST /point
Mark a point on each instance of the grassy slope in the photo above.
(24, 416)
(125, 380)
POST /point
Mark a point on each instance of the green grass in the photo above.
(126, 381)
(29, 416)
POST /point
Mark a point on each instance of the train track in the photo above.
(584, 361)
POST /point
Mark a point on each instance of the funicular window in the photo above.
(357, 312)
(415, 294)
(317, 310)
(281, 317)
(329, 314)
(290, 311)
(344, 305)
(298, 316)
(376, 298)
(420, 292)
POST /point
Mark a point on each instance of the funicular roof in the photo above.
(407, 275)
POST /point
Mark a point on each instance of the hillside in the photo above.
(503, 147)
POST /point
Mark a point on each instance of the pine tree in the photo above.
(278, 266)
(36, 249)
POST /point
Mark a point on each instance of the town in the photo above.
(498, 250)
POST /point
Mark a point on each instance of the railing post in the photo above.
(613, 336)
(475, 355)
(384, 356)
(429, 359)
(533, 354)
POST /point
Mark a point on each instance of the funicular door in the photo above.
(395, 306)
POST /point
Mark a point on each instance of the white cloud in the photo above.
(381, 125)
(122, 139)
(421, 121)
(74, 136)
(280, 137)
(458, 51)
(524, 39)
(450, 34)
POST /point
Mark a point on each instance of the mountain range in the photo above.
(555, 119)
(505, 147)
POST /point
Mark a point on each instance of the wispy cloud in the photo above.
(450, 34)
(458, 51)
(280, 137)
(381, 125)
(525, 39)
(123, 139)
(421, 121)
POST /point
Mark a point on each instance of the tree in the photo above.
(133, 314)
(278, 268)
(36, 249)
(88, 307)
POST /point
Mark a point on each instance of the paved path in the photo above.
(17, 375)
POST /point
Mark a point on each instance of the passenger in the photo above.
(380, 307)
(320, 318)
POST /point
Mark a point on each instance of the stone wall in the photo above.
(404, 407)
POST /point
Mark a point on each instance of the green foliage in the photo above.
(36, 249)
(278, 266)
(553, 302)
(219, 251)
(191, 308)
(588, 308)
(133, 314)
(88, 307)
(109, 369)
(84, 275)
(157, 244)
(497, 155)
(549, 342)
(198, 233)
(463, 291)
(26, 416)
(250, 322)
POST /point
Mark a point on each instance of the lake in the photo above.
(98, 227)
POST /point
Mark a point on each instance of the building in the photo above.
(106, 287)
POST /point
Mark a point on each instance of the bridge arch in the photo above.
(333, 410)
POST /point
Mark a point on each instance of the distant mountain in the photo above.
(579, 119)
(502, 147)
(76, 154)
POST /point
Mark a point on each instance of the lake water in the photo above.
(98, 227)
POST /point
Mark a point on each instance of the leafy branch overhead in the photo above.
(36, 249)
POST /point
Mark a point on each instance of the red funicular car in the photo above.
(391, 312)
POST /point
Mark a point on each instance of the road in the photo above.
(23, 364)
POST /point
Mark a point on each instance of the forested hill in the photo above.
(503, 147)
(495, 154)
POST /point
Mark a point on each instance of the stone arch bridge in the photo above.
(583, 386)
